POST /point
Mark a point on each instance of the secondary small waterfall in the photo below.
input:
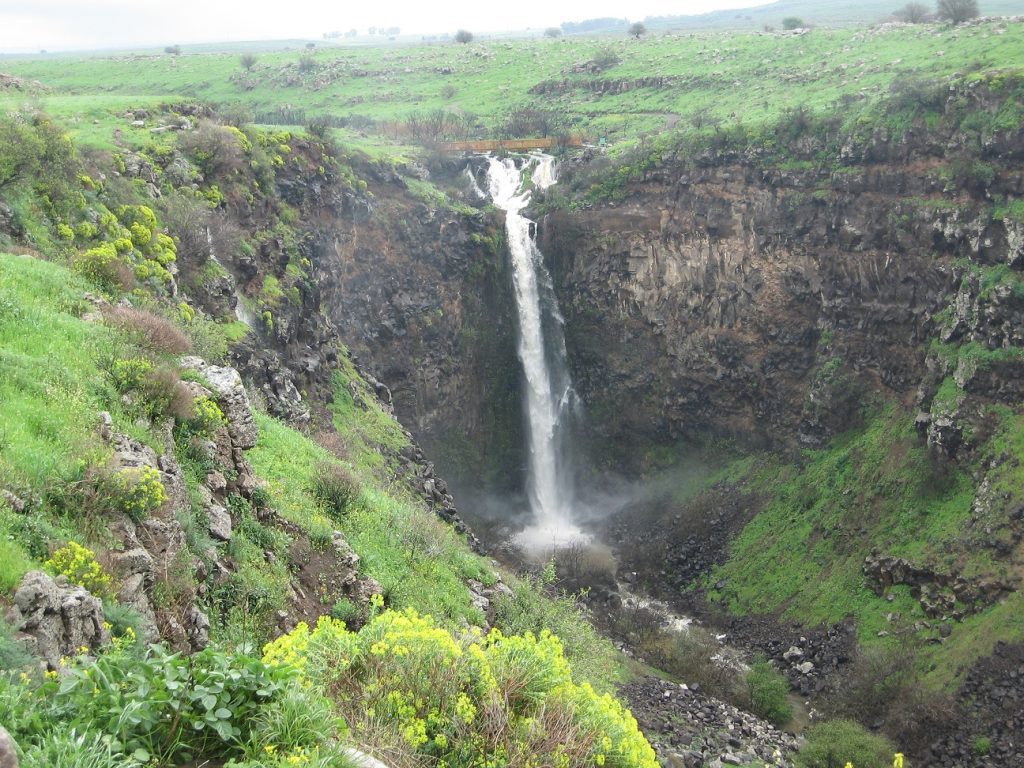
(548, 387)
(242, 312)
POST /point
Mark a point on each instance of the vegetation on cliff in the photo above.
(141, 479)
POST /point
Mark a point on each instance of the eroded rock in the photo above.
(57, 618)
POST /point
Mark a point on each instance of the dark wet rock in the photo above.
(688, 728)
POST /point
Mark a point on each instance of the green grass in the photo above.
(51, 384)
(877, 487)
(14, 563)
(731, 76)
(367, 431)
(418, 560)
(802, 555)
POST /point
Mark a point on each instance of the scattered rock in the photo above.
(220, 522)
(688, 728)
(16, 503)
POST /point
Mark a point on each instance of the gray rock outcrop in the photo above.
(232, 399)
(56, 618)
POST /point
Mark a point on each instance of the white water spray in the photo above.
(548, 388)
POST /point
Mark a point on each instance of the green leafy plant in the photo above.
(168, 708)
(769, 693)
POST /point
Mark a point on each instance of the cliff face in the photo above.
(727, 296)
(422, 295)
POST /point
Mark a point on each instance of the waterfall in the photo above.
(548, 388)
(242, 312)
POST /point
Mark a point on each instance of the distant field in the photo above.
(748, 76)
(814, 12)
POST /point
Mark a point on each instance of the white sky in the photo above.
(33, 25)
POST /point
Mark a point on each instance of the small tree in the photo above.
(637, 30)
(307, 63)
(957, 11)
(248, 61)
(463, 36)
(552, 32)
(913, 13)
(174, 50)
(792, 22)
(604, 58)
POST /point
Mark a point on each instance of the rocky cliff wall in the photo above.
(727, 295)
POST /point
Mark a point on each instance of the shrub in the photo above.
(769, 694)
(216, 150)
(207, 417)
(405, 684)
(162, 394)
(20, 150)
(463, 36)
(982, 746)
(792, 22)
(130, 373)
(604, 58)
(838, 742)
(307, 63)
(957, 11)
(345, 610)
(335, 487)
(530, 609)
(913, 13)
(137, 491)
(80, 566)
(167, 708)
(102, 265)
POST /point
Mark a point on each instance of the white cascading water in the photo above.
(548, 387)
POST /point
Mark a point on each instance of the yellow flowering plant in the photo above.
(80, 566)
(462, 699)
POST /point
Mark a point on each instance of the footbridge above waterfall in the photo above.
(512, 145)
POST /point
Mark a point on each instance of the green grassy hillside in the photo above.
(733, 77)
(830, 13)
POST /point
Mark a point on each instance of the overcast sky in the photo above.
(32, 25)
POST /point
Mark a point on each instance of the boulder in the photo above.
(8, 750)
(57, 618)
(227, 387)
(220, 522)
